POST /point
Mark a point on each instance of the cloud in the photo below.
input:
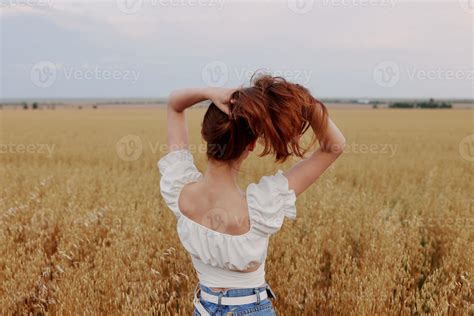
(170, 42)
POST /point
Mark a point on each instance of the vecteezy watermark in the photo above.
(374, 149)
(161, 148)
(467, 5)
(45, 73)
(444, 222)
(440, 74)
(129, 6)
(31, 149)
(134, 6)
(218, 74)
(387, 220)
(305, 6)
(215, 74)
(300, 6)
(466, 148)
(360, 3)
(27, 3)
(129, 147)
(386, 74)
(302, 76)
(216, 219)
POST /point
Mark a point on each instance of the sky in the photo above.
(147, 48)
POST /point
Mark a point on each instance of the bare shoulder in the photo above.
(189, 199)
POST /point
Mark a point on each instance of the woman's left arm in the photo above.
(180, 100)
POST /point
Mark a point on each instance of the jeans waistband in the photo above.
(233, 292)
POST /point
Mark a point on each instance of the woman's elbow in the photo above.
(173, 103)
(337, 148)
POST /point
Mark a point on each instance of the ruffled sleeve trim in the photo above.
(172, 157)
(270, 201)
(177, 169)
(289, 196)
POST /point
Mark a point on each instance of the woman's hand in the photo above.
(180, 100)
(222, 98)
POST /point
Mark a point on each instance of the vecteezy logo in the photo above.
(300, 6)
(43, 74)
(216, 219)
(466, 148)
(129, 148)
(129, 6)
(215, 74)
(386, 221)
(387, 74)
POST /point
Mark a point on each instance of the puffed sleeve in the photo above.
(269, 202)
(177, 169)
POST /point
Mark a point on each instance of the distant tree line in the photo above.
(431, 104)
(36, 106)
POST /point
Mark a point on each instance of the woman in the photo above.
(225, 230)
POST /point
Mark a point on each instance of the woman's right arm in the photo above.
(180, 100)
(308, 170)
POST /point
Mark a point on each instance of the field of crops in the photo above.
(83, 230)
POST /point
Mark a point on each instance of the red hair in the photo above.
(273, 110)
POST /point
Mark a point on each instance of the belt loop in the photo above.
(219, 300)
(257, 292)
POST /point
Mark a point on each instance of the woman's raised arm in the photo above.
(180, 100)
(307, 171)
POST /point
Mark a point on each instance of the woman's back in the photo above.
(217, 206)
(224, 230)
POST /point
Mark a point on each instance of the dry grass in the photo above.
(84, 232)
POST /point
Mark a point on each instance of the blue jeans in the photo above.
(264, 308)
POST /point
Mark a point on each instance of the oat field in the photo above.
(388, 230)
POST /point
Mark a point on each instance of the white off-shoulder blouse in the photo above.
(220, 258)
